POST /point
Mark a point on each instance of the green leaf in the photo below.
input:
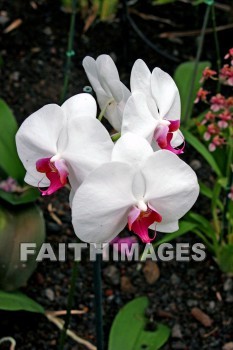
(28, 196)
(16, 301)
(21, 224)
(9, 159)
(185, 226)
(108, 9)
(128, 329)
(225, 258)
(183, 78)
(200, 148)
(203, 223)
(207, 192)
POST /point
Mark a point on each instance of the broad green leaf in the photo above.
(21, 224)
(225, 258)
(128, 329)
(185, 226)
(9, 160)
(203, 223)
(200, 148)
(16, 301)
(183, 78)
(207, 192)
(29, 195)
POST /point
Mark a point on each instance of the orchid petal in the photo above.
(140, 78)
(137, 117)
(89, 65)
(101, 205)
(81, 105)
(88, 147)
(132, 149)
(171, 185)
(166, 95)
(106, 68)
(169, 227)
(37, 137)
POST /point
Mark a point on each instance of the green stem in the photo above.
(116, 136)
(69, 305)
(104, 109)
(218, 61)
(98, 302)
(70, 51)
(189, 108)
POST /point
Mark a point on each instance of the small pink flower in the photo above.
(226, 75)
(212, 147)
(218, 140)
(9, 185)
(201, 95)
(207, 73)
(229, 55)
(217, 102)
(222, 124)
(213, 129)
(207, 136)
(230, 194)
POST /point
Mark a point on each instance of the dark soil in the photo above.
(31, 76)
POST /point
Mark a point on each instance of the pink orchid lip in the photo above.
(57, 172)
(139, 221)
(164, 133)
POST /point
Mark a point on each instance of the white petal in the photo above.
(169, 227)
(114, 114)
(89, 65)
(177, 139)
(37, 137)
(106, 68)
(137, 117)
(171, 185)
(89, 146)
(166, 95)
(39, 181)
(81, 105)
(132, 149)
(101, 204)
(140, 78)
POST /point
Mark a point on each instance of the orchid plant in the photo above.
(214, 141)
(139, 180)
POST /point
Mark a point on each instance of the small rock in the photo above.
(192, 302)
(112, 274)
(176, 331)
(126, 285)
(195, 164)
(212, 305)
(228, 285)
(228, 346)
(201, 317)
(175, 279)
(47, 31)
(179, 346)
(151, 272)
(229, 298)
(49, 294)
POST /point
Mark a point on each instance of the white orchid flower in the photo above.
(153, 110)
(59, 142)
(138, 187)
(111, 93)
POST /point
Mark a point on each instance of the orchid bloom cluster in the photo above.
(138, 181)
(218, 121)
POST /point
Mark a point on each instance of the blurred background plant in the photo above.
(20, 219)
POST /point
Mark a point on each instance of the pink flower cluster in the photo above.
(9, 185)
(218, 120)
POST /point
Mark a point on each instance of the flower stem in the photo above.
(116, 136)
(70, 51)
(98, 302)
(104, 109)
(218, 61)
(189, 108)
(69, 305)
